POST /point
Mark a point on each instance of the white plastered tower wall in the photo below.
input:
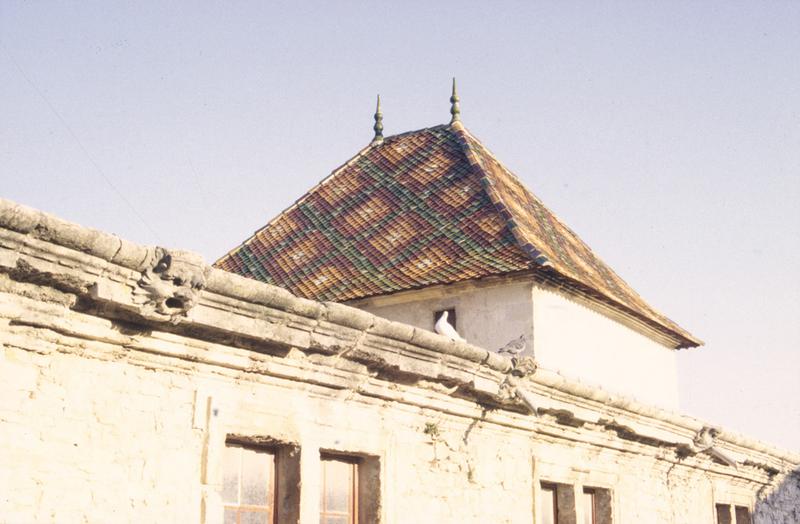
(567, 334)
(576, 339)
(488, 314)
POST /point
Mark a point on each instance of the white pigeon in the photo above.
(443, 327)
(515, 347)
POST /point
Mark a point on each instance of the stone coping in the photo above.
(104, 268)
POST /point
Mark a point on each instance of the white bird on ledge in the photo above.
(443, 327)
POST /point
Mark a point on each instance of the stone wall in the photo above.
(779, 503)
(125, 369)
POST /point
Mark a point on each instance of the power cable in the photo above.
(97, 167)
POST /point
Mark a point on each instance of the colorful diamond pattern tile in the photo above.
(424, 208)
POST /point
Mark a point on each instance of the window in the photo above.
(726, 514)
(569, 504)
(248, 487)
(339, 497)
(451, 316)
(742, 515)
(548, 505)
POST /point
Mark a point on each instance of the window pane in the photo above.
(257, 470)
(248, 485)
(547, 505)
(230, 516)
(334, 520)
(588, 507)
(253, 517)
(742, 515)
(338, 485)
(231, 460)
(724, 514)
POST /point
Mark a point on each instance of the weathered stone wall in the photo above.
(89, 439)
(96, 427)
(116, 408)
(779, 503)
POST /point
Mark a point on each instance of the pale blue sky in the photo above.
(666, 134)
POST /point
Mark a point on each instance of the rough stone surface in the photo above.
(112, 412)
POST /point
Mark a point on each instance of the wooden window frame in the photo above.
(270, 510)
(353, 499)
(722, 506)
(593, 493)
(736, 508)
(552, 488)
(568, 503)
(732, 509)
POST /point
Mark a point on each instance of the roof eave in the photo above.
(682, 338)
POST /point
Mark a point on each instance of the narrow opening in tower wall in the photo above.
(451, 317)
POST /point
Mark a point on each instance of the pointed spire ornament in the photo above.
(455, 108)
(378, 127)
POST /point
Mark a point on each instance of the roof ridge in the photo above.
(463, 136)
(513, 175)
(420, 130)
(555, 216)
(464, 139)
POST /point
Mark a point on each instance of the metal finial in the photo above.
(455, 109)
(378, 127)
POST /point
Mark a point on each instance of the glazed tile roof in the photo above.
(423, 208)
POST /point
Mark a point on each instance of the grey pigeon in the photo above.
(515, 347)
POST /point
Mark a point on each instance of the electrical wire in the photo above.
(97, 167)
